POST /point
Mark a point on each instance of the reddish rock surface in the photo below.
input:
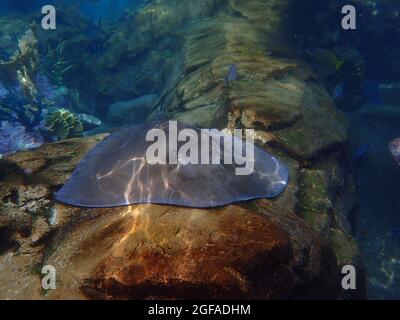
(153, 251)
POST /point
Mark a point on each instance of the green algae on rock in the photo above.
(314, 203)
(63, 124)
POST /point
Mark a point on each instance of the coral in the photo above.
(30, 115)
(18, 91)
(63, 124)
(23, 65)
(49, 93)
(28, 86)
(53, 65)
(14, 137)
(46, 88)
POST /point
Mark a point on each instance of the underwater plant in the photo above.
(53, 64)
(21, 69)
(63, 124)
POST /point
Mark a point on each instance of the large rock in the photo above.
(151, 251)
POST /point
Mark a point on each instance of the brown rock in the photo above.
(257, 250)
(52, 163)
(321, 129)
(153, 251)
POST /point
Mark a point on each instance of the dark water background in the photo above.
(378, 179)
(375, 51)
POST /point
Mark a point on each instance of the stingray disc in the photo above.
(117, 172)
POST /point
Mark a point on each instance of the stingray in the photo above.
(116, 172)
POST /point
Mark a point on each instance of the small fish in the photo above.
(361, 152)
(394, 147)
(338, 91)
(89, 121)
(371, 91)
(324, 56)
(232, 75)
